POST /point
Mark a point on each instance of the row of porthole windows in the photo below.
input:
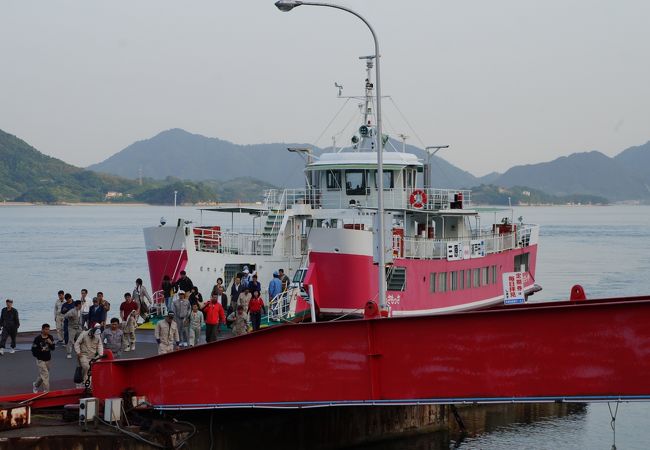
(463, 279)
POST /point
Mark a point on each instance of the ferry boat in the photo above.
(441, 259)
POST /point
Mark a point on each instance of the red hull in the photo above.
(567, 351)
(344, 282)
(165, 262)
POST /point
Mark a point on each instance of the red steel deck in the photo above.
(568, 351)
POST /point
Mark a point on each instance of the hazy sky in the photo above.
(504, 82)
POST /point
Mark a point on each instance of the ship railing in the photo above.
(396, 198)
(231, 243)
(280, 306)
(487, 243)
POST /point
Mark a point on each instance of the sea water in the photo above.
(101, 248)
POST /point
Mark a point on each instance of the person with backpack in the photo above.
(42, 348)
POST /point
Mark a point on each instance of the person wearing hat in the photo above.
(73, 328)
(9, 322)
(87, 346)
(182, 309)
(275, 286)
(166, 334)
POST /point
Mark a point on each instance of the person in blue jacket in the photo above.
(275, 286)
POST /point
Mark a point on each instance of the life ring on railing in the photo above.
(418, 199)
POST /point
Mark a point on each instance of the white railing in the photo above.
(423, 248)
(230, 243)
(280, 307)
(436, 199)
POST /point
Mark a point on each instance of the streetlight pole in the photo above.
(288, 5)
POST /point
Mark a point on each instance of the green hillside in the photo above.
(27, 175)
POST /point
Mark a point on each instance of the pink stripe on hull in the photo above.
(347, 281)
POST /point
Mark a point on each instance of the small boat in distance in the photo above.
(440, 259)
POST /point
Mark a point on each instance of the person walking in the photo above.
(168, 292)
(58, 317)
(254, 285)
(236, 289)
(275, 286)
(195, 296)
(195, 322)
(182, 309)
(87, 346)
(9, 322)
(96, 314)
(85, 307)
(113, 337)
(183, 283)
(284, 280)
(239, 321)
(129, 331)
(255, 309)
(166, 334)
(214, 315)
(72, 319)
(244, 299)
(68, 304)
(127, 306)
(142, 299)
(42, 348)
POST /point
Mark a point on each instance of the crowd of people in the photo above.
(83, 329)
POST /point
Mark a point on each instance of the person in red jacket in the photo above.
(214, 315)
(255, 309)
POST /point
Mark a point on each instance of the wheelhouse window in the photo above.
(333, 180)
(355, 182)
(389, 182)
(521, 260)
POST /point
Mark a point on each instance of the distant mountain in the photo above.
(489, 194)
(190, 156)
(30, 176)
(591, 173)
(637, 161)
(490, 178)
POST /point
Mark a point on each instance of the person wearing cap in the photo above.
(166, 334)
(73, 327)
(245, 276)
(214, 315)
(87, 346)
(10, 323)
(275, 286)
(183, 283)
(182, 309)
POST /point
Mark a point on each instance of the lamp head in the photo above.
(287, 5)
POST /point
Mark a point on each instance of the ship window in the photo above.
(476, 278)
(355, 182)
(468, 275)
(461, 279)
(484, 276)
(494, 274)
(396, 280)
(432, 282)
(388, 180)
(442, 282)
(333, 180)
(521, 260)
(454, 281)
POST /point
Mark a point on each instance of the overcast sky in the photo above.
(504, 82)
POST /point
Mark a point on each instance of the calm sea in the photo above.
(101, 248)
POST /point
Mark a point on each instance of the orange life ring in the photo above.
(418, 199)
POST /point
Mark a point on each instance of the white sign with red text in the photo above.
(513, 288)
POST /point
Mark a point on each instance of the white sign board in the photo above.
(454, 251)
(477, 247)
(513, 288)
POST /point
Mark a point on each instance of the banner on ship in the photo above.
(513, 288)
